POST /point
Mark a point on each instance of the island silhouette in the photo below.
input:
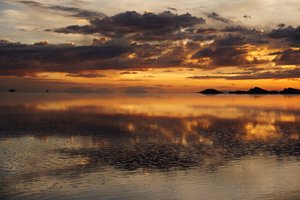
(211, 91)
(255, 90)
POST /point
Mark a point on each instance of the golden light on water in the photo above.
(167, 105)
(261, 132)
(105, 100)
(103, 138)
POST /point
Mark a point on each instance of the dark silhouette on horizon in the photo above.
(11, 90)
(255, 90)
(290, 91)
(211, 91)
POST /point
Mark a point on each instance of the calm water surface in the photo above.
(60, 146)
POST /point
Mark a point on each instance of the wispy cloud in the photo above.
(215, 16)
(70, 11)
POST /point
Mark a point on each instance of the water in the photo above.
(59, 146)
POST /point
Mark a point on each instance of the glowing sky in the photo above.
(150, 46)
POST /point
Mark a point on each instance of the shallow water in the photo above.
(62, 146)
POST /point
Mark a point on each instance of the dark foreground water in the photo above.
(55, 146)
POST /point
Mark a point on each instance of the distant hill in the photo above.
(211, 91)
(255, 90)
(258, 90)
(290, 91)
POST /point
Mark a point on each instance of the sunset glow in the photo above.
(148, 99)
(164, 48)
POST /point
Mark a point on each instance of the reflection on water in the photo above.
(56, 146)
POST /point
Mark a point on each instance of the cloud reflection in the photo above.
(136, 120)
(67, 139)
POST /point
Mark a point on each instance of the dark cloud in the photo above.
(207, 30)
(173, 58)
(42, 43)
(252, 35)
(230, 41)
(20, 59)
(72, 11)
(128, 72)
(289, 33)
(217, 17)
(287, 57)
(26, 60)
(223, 56)
(228, 51)
(225, 52)
(80, 61)
(77, 12)
(87, 75)
(132, 41)
(32, 3)
(255, 75)
(171, 9)
(162, 26)
(240, 29)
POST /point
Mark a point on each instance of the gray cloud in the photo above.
(240, 29)
(217, 17)
(86, 75)
(228, 51)
(287, 57)
(72, 11)
(147, 26)
(289, 33)
(21, 59)
(207, 30)
(255, 75)
(128, 72)
(224, 52)
(171, 9)
(137, 41)
(26, 60)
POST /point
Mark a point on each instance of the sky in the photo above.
(151, 46)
